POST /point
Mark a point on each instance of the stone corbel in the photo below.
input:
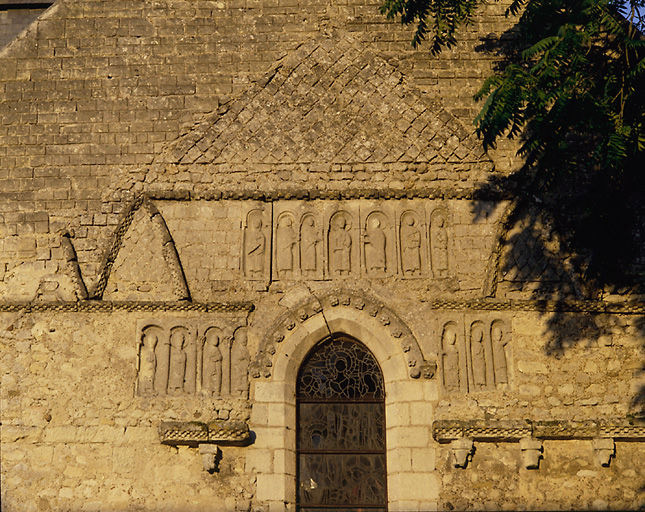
(211, 455)
(531, 450)
(604, 449)
(462, 451)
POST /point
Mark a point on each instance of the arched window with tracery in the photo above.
(340, 444)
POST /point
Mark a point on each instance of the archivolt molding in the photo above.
(72, 267)
(492, 268)
(361, 304)
(506, 224)
(169, 251)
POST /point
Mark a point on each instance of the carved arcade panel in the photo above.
(256, 242)
(474, 354)
(184, 357)
(319, 240)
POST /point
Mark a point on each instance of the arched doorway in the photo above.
(340, 436)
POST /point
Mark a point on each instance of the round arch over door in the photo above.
(340, 436)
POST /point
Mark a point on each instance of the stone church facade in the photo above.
(253, 257)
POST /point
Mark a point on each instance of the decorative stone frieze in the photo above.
(193, 433)
(329, 240)
(445, 431)
(530, 434)
(475, 354)
(185, 357)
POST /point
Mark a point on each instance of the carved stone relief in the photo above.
(181, 357)
(499, 344)
(256, 244)
(439, 243)
(286, 236)
(340, 244)
(412, 243)
(474, 354)
(320, 240)
(311, 264)
(450, 358)
(379, 245)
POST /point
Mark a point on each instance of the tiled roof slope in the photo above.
(329, 102)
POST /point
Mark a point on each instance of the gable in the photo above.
(329, 105)
(143, 263)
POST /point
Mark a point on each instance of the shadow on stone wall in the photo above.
(574, 230)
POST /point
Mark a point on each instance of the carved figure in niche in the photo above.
(309, 241)
(499, 352)
(254, 245)
(450, 360)
(240, 360)
(478, 354)
(162, 355)
(177, 375)
(340, 246)
(439, 245)
(212, 362)
(285, 246)
(375, 241)
(147, 361)
(410, 245)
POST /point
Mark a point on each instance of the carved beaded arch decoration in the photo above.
(418, 367)
(341, 460)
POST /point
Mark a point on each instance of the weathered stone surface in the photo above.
(195, 193)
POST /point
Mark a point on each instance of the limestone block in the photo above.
(413, 486)
(399, 460)
(259, 414)
(411, 437)
(275, 392)
(272, 487)
(273, 437)
(284, 461)
(421, 413)
(259, 460)
(60, 434)
(423, 459)
(405, 506)
(397, 414)
(281, 414)
(404, 391)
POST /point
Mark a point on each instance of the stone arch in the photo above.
(350, 312)
(168, 249)
(533, 254)
(273, 390)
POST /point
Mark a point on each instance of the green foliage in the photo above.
(570, 87)
(441, 18)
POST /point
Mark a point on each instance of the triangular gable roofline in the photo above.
(329, 101)
(28, 35)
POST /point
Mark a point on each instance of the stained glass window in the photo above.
(341, 429)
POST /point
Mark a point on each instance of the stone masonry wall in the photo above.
(95, 89)
(154, 269)
(76, 433)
